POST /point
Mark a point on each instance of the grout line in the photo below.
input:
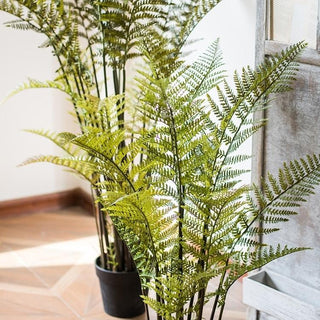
(4, 286)
(68, 306)
(58, 289)
(45, 291)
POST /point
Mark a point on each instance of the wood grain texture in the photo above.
(280, 297)
(308, 56)
(257, 164)
(53, 201)
(47, 269)
(292, 131)
(318, 28)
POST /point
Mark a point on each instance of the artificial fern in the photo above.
(89, 39)
(183, 211)
(172, 185)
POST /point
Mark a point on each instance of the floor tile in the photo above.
(47, 269)
(38, 306)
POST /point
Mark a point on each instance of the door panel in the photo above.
(293, 131)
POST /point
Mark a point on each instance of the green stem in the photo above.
(181, 191)
(77, 84)
(123, 255)
(158, 298)
(202, 263)
(77, 72)
(128, 259)
(180, 186)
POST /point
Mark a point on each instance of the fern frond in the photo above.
(249, 261)
(185, 17)
(35, 84)
(82, 166)
(295, 182)
(58, 139)
(235, 111)
(202, 76)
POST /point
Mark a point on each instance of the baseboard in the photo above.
(84, 200)
(52, 201)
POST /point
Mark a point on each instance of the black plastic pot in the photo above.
(120, 292)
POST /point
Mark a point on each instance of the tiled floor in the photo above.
(47, 272)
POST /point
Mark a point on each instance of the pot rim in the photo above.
(97, 265)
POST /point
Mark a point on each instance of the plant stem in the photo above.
(158, 298)
(124, 79)
(128, 260)
(181, 192)
(103, 231)
(119, 250)
(215, 304)
(190, 307)
(116, 84)
(218, 290)
(91, 54)
(68, 85)
(201, 296)
(122, 253)
(221, 311)
(98, 226)
(180, 186)
(147, 312)
(104, 62)
(202, 263)
(105, 80)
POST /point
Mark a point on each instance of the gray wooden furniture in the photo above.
(279, 297)
(293, 130)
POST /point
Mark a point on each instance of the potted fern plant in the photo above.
(172, 187)
(183, 210)
(93, 42)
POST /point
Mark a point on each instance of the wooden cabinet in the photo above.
(293, 130)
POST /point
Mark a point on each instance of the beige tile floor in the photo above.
(47, 272)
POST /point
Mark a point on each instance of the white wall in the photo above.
(20, 58)
(233, 21)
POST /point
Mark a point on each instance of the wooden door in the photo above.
(293, 130)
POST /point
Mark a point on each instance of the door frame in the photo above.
(266, 47)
